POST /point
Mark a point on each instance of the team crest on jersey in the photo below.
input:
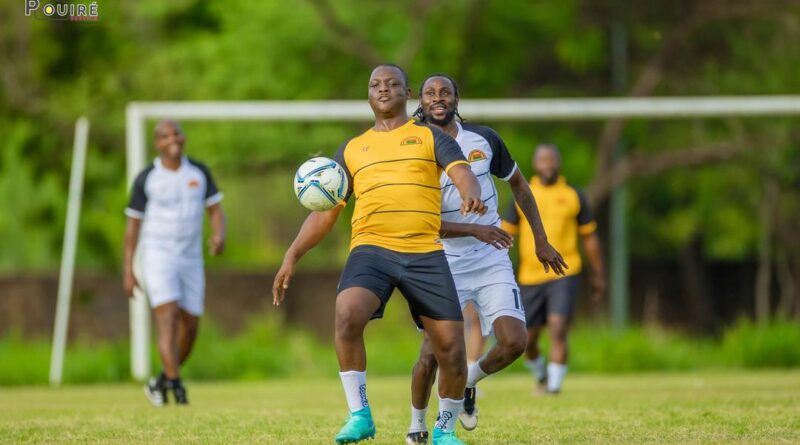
(194, 183)
(411, 140)
(476, 155)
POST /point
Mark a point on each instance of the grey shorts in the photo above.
(553, 297)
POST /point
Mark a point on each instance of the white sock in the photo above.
(448, 413)
(418, 420)
(475, 374)
(555, 376)
(537, 367)
(355, 389)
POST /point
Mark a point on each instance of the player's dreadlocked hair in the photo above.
(418, 113)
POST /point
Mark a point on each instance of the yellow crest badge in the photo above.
(411, 140)
(476, 155)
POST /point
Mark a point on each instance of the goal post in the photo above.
(517, 110)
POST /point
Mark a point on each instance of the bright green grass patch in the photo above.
(267, 348)
(705, 407)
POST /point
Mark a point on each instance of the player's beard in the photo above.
(441, 122)
(549, 179)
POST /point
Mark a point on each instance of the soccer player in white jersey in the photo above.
(476, 250)
(165, 223)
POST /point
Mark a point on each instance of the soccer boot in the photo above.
(541, 386)
(469, 415)
(178, 391)
(180, 395)
(155, 391)
(357, 428)
(442, 438)
(417, 438)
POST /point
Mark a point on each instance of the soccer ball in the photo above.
(320, 184)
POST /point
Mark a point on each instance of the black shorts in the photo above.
(424, 279)
(553, 297)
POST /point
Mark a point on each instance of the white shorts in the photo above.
(492, 290)
(166, 278)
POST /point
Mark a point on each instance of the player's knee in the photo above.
(515, 346)
(559, 333)
(452, 355)
(348, 323)
(426, 365)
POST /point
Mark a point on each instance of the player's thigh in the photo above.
(428, 287)
(534, 302)
(446, 339)
(355, 307)
(193, 284)
(161, 276)
(370, 272)
(510, 332)
(497, 300)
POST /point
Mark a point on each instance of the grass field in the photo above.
(677, 408)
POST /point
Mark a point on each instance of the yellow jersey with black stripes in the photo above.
(394, 176)
(565, 215)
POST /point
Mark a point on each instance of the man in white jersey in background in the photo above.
(165, 222)
(476, 250)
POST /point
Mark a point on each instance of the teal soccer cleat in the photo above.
(358, 427)
(442, 438)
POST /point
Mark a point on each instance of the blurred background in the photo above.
(712, 205)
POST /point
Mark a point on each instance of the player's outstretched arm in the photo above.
(216, 243)
(548, 255)
(494, 236)
(314, 229)
(132, 229)
(469, 188)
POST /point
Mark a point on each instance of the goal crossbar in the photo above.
(138, 113)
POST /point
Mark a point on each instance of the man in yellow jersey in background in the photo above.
(550, 299)
(394, 171)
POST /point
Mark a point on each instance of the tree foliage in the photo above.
(319, 49)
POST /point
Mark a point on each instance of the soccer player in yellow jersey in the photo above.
(548, 299)
(394, 171)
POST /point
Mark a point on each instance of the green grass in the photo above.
(675, 408)
(266, 348)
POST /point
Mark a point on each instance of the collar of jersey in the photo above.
(157, 163)
(410, 121)
(460, 130)
(537, 182)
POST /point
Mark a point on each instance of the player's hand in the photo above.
(494, 236)
(599, 287)
(216, 244)
(550, 258)
(472, 204)
(129, 283)
(281, 283)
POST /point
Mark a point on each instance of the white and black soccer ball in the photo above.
(320, 184)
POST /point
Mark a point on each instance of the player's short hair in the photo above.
(170, 122)
(418, 112)
(548, 146)
(398, 67)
